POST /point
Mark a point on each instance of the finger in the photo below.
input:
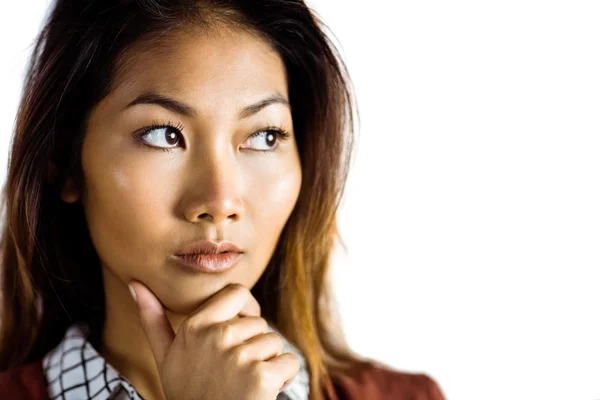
(251, 308)
(154, 322)
(261, 347)
(286, 384)
(238, 330)
(286, 365)
(226, 304)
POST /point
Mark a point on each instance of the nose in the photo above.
(214, 194)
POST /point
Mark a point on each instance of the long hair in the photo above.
(45, 242)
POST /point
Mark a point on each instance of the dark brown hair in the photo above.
(51, 274)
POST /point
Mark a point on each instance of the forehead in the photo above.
(203, 67)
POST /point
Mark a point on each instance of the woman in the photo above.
(170, 208)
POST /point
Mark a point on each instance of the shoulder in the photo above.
(376, 381)
(25, 382)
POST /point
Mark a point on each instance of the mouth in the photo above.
(207, 256)
(209, 263)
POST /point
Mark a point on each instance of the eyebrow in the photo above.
(179, 107)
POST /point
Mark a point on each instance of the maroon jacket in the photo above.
(373, 383)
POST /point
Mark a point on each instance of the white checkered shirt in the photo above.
(74, 370)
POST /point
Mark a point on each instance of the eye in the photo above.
(266, 139)
(164, 136)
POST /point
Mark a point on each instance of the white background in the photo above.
(472, 210)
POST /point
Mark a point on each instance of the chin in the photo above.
(185, 300)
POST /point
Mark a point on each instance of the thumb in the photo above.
(154, 322)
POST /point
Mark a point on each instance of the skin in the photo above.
(144, 204)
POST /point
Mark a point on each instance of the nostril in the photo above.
(217, 217)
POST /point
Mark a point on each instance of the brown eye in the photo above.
(162, 136)
(171, 135)
(270, 139)
(266, 139)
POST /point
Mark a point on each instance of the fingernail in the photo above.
(132, 293)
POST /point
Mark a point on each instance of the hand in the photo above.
(223, 350)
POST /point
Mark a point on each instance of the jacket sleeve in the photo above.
(379, 382)
(435, 393)
(26, 382)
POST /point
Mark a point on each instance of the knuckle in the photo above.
(295, 361)
(257, 371)
(262, 377)
(275, 339)
(214, 334)
(263, 324)
(225, 335)
(239, 288)
(241, 355)
(191, 325)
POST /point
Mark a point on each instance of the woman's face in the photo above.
(208, 180)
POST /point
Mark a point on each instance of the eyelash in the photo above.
(281, 133)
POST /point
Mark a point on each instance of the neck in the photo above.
(124, 343)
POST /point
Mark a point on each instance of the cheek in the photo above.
(272, 198)
(125, 206)
(276, 198)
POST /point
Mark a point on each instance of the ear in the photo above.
(69, 192)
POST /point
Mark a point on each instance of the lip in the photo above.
(208, 247)
(210, 263)
(208, 256)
